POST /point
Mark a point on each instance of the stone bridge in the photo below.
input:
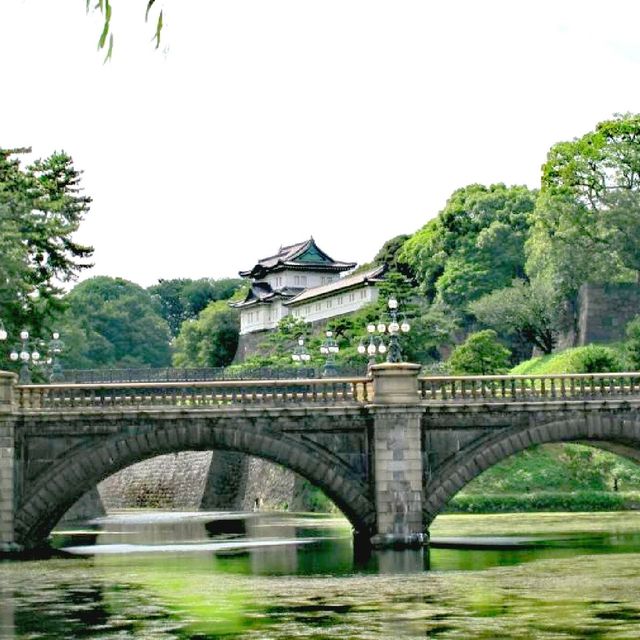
(389, 450)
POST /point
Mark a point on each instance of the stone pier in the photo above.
(7, 462)
(397, 446)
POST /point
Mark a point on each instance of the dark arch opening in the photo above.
(61, 486)
(610, 432)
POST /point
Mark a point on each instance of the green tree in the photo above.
(41, 207)
(480, 354)
(111, 322)
(586, 224)
(474, 245)
(183, 299)
(210, 340)
(531, 310)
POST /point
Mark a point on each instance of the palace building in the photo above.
(303, 281)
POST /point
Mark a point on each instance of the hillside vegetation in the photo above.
(588, 359)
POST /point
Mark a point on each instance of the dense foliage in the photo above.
(210, 340)
(586, 224)
(530, 310)
(111, 322)
(474, 245)
(183, 298)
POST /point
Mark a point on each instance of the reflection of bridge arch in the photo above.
(55, 489)
(614, 433)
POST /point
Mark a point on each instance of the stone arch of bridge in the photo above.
(620, 435)
(58, 488)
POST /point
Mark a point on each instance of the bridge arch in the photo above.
(613, 433)
(59, 487)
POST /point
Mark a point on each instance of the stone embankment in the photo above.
(195, 480)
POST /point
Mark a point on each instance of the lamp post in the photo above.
(26, 353)
(329, 348)
(394, 328)
(300, 353)
(56, 347)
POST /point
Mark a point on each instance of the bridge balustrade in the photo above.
(313, 391)
(523, 388)
(211, 394)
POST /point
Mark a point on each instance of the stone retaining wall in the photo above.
(204, 480)
(605, 311)
(174, 481)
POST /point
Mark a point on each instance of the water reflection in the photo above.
(7, 613)
(285, 544)
(256, 576)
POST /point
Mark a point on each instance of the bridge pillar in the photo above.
(7, 462)
(397, 450)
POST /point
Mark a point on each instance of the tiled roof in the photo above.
(371, 276)
(262, 292)
(303, 255)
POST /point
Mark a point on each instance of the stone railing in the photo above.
(523, 388)
(194, 395)
(390, 384)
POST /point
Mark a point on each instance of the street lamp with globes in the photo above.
(376, 345)
(24, 354)
(329, 348)
(394, 328)
(300, 353)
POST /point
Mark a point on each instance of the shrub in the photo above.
(541, 501)
(597, 359)
(633, 343)
(480, 354)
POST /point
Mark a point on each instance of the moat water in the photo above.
(277, 576)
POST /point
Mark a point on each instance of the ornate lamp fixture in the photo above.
(26, 353)
(394, 328)
(300, 353)
(376, 345)
(56, 346)
(329, 349)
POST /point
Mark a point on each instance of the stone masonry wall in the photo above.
(174, 481)
(269, 486)
(6, 481)
(247, 345)
(605, 310)
(202, 480)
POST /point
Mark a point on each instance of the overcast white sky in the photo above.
(262, 122)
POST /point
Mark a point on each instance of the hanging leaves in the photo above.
(106, 36)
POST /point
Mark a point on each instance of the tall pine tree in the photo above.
(41, 207)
